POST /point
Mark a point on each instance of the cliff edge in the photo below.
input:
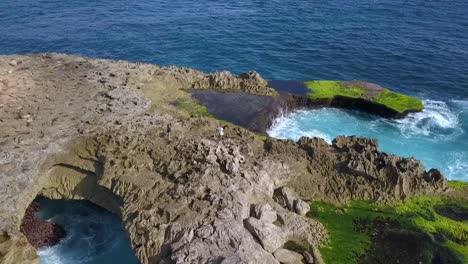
(110, 132)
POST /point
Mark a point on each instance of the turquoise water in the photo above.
(418, 47)
(436, 136)
(94, 235)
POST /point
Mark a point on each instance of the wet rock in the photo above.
(287, 256)
(40, 233)
(270, 236)
(265, 212)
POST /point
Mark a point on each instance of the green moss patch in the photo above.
(372, 92)
(193, 107)
(349, 241)
(330, 89)
(398, 102)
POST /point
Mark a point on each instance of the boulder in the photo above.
(264, 212)
(309, 259)
(301, 207)
(270, 236)
(287, 256)
(285, 196)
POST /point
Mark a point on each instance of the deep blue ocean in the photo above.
(418, 47)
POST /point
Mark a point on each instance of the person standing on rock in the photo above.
(220, 131)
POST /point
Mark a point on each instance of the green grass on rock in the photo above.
(399, 102)
(330, 89)
(347, 242)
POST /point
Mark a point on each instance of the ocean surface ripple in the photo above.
(417, 47)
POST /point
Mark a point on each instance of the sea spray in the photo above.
(435, 136)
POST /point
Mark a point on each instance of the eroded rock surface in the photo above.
(107, 131)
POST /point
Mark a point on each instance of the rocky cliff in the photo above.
(109, 132)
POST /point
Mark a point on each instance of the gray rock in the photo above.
(264, 212)
(270, 236)
(224, 213)
(309, 259)
(317, 256)
(301, 207)
(204, 231)
(285, 196)
(232, 260)
(288, 257)
(14, 63)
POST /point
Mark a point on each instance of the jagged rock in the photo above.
(250, 82)
(287, 256)
(183, 194)
(270, 236)
(232, 260)
(40, 233)
(264, 212)
(204, 231)
(285, 196)
(301, 207)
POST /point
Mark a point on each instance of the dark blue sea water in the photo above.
(418, 47)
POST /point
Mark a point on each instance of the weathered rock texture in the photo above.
(40, 233)
(107, 131)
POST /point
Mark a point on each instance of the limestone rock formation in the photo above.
(264, 212)
(250, 82)
(301, 207)
(288, 257)
(109, 132)
(270, 235)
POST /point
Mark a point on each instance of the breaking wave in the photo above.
(436, 136)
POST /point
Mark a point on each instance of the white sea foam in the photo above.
(436, 118)
(288, 126)
(435, 136)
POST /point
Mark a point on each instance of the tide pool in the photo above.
(436, 136)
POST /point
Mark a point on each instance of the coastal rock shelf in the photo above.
(129, 138)
(363, 96)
